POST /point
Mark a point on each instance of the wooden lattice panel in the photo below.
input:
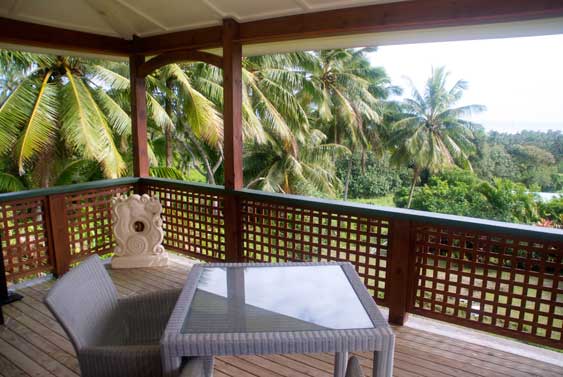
(193, 221)
(500, 283)
(24, 235)
(90, 220)
(279, 233)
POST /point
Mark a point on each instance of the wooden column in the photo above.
(399, 272)
(232, 120)
(58, 236)
(138, 117)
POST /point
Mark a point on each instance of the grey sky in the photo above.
(520, 80)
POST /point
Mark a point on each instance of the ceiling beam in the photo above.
(35, 35)
(209, 37)
(407, 15)
(177, 57)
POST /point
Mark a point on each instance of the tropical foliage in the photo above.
(321, 123)
(433, 133)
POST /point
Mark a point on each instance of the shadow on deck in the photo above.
(33, 344)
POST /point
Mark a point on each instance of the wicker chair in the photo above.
(354, 368)
(114, 337)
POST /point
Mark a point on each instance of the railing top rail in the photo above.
(11, 196)
(200, 187)
(407, 214)
(518, 230)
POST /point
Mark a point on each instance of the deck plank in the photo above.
(33, 344)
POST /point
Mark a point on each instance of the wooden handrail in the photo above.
(12, 196)
(378, 211)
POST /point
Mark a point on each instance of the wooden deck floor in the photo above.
(33, 344)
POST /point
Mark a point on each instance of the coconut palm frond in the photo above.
(200, 112)
(108, 77)
(169, 173)
(118, 119)
(40, 127)
(78, 171)
(11, 183)
(78, 120)
(158, 114)
(15, 111)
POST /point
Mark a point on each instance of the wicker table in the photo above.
(253, 309)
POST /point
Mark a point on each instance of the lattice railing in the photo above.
(25, 238)
(501, 278)
(274, 232)
(193, 219)
(45, 231)
(89, 221)
(500, 283)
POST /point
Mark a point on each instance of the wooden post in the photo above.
(399, 271)
(59, 241)
(6, 296)
(138, 117)
(232, 120)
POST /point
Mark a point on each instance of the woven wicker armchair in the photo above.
(354, 368)
(115, 337)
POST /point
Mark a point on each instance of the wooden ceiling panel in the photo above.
(73, 15)
(175, 15)
(246, 10)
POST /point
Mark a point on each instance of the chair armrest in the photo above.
(146, 315)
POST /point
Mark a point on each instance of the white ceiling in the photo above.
(125, 18)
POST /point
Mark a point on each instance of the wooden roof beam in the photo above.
(406, 15)
(35, 35)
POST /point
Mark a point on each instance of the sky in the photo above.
(519, 80)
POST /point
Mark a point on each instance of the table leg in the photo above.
(340, 361)
(383, 360)
(171, 366)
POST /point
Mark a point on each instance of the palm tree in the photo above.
(57, 101)
(193, 121)
(307, 169)
(347, 95)
(432, 134)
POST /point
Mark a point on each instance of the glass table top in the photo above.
(274, 299)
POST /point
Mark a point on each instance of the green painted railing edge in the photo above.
(11, 196)
(314, 203)
(407, 214)
(196, 186)
(377, 211)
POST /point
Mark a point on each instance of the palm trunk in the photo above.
(168, 130)
(44, 168)
(348, 176)
(364, 158)
(202, 155)
(414, 179)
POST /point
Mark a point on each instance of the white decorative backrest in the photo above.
(137, 225)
